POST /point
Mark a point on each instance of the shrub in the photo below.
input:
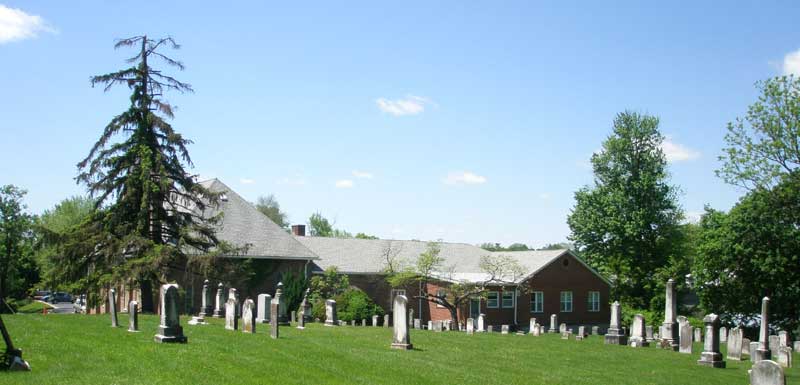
(354, 304)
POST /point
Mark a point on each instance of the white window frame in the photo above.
(566, 309)
(534, 302)
(594, 301)
(503, 299)
(439, 293)
(489, 300)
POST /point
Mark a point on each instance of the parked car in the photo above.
(40, 294)
(79, 306)
(59, 297)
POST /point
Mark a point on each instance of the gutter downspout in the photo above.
(419, 301)
(305, 270)
(515, 306)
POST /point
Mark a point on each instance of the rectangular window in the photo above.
(566, 301)
(492, 300)
(508, 299)
(594, 301)
(440, 293)
(537, 302)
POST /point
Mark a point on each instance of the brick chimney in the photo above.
(299, 230)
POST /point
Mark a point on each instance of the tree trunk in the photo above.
(146, 286)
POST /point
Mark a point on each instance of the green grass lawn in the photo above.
(79, 349)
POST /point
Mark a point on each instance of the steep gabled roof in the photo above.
(244, 226)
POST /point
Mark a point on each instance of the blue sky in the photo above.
(464, 121)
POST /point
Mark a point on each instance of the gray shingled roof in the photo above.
(243, 225)
(367, 256)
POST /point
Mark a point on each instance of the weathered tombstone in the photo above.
(745, 346)
(219, 302)
(387, 320)
(773, 345)
(698, 335)
(375, 320)
(283, 316)
(669, 329)
(785, 356)
(685, 335)
(562, 328)
(133, 317)
(170, 329)
(438, 326)
(363, 322)
(613, 335)
(595, 330)
(235, 294)
(490, 329)
(304, 308)
(637, 339)
(112, 307)
(734, 349)
(796, 346)
(481, 323)
(766, 372)
(566, 333)
(401, 338)
(648, 333)
(711, 355)
(470, 326)
(553, 322)
(753, 349)
(783, 338)
(763, 352)
(248, 316)
(205, 307)
(542, 329)
(262, 308)
(342, 323)
(410, 317)
(274, 311)
(293, 316)
(503, 329)
(430, 325)
(417, 323)
(532, 324)
(581, 333)
(12, 356)
(536, 331)
(231, 321)
(331, 318)
(723, 335)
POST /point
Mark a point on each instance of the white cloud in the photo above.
(344, 183)
(247, 181)
(676, 152)
(410, 105)
(15, 25)
(791, 63)
(362, 174)
(464, 177)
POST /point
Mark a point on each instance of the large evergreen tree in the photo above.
(152, 207)
(626, 225)
(17, 270)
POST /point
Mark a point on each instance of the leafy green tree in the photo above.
(557, 246)
(152, 206)
(497, 247)
(500, 270)
(329, 284)
(751, 252)
(765, 144)
(294, 287)
(365, 236)
(319, 226)
(627, 223)
(53, 226)
(355, 304)
(18, 273)
(269, 206)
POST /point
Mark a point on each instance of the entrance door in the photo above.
(474, 308)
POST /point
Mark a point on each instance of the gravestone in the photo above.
(536, 331)
(301, 321)
(613, 335)
(595, 330)
(711, 355)
(745, 346)
(763, 352)
(219, 302)
(753, 349)
(235, 294)
(503, 329)
(796, 346)
(274, 310)
(262, 308)
(648, 333)
(698, 335)
(133, 317)
(283, 316)
(12, 357)
(401, 338)
(734, 349)
(773, 345)
(305, 308)
(553, 322)
(331, 318)
(785, 356)
(375, 320)
(410, 317)
(783, 338)
(112, 307)
(565, 334)
(248, 316)
(532, 324)
(170, 329)
(417, 323)
(231, 321)
(685, 335)
(293, 316)
(766, 372)
(637, 338)
(581, 333)
(206, 310)
(490, 329)
(470, 326)
(723, 335)
(481, 323)
(387, 320)
(562, 328)
(669, 329)
(430, 325)
(363, 322)
(342, 323)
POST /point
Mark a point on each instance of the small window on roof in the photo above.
(565, 262)
(223, 197)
